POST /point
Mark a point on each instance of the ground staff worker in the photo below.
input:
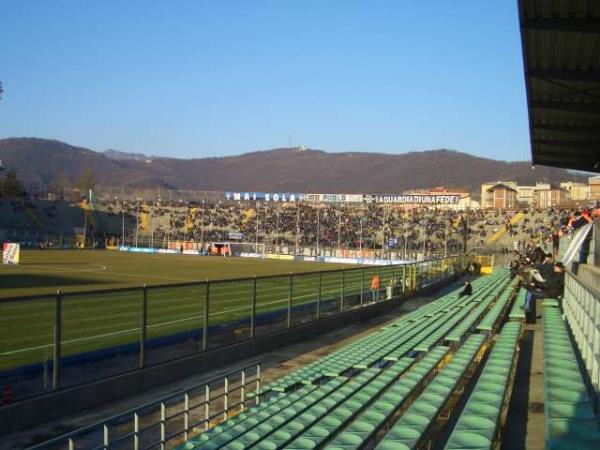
(375, 287)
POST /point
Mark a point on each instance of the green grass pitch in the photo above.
(105, 319)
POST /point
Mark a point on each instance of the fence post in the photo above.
(253, 310)
(206, 311)
(291, 292)
(136, 431)
(393, 283)
(207, 406)
(186, 416)
(57, 340)
(380, 281)
(163, 425)
(258, 375)
(226, 398)
(362, 285)
(143, 326)
(343, 290)
(105, 437)
(243, 391)
(320, 295)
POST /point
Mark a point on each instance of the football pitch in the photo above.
(109, 317)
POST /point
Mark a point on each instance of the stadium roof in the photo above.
(561, 55)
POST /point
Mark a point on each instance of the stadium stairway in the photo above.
(391, 388)
(515, 220)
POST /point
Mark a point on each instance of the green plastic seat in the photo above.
(468, 440)
(563, 410)
(585, 430)
(471, 422)
(566, 395)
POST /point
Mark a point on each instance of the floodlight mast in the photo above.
(1, 91)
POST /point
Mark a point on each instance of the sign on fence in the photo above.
(10, 253)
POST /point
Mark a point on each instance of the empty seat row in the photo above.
(491, 319)
(479, 422)
(570, 419)
(444, 328)
(389, 341)
(474, 316)
(319, 432)
(435, 330)
(410, 430)
(518, 310)
(312, 415)
(279, 430)
(367, 424)
(280, 406)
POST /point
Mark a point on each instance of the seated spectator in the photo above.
(538, 287)
(467, 289)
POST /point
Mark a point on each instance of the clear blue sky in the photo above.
(199, 78)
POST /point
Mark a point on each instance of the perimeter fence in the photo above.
(51, 342)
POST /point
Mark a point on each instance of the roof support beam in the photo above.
(570, 24)
(570, 129)
(592, 76)
(585, 147)
(562, 162)
(567, 163)
(587, 108)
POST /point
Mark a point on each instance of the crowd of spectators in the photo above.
(343, 226)
(340, 226)
(537, 263)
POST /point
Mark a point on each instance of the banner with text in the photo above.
(414, 199)
(283, 197)
(10, 253)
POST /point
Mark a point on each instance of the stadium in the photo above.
(303, 309)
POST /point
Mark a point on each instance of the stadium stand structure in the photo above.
(391, 388)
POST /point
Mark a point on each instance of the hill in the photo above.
(284, 170)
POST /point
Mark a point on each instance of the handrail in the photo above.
(103, 423)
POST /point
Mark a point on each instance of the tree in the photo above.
(10, 186)
(86, 181)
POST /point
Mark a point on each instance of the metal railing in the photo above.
(51, 342)
(581, 305)
(169, 420)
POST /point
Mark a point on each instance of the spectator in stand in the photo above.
(550, 287)
(467, 289)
